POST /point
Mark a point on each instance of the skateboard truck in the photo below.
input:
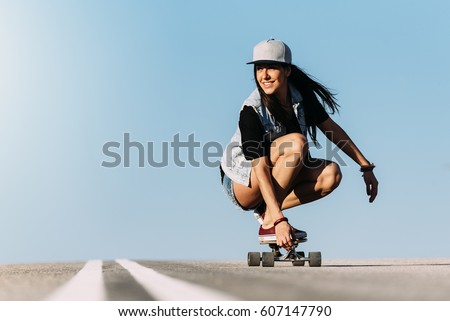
(268, 259)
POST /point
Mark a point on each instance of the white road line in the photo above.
(165, 288)
(86, 285)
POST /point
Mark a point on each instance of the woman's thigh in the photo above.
(314, 181)
(318, 170)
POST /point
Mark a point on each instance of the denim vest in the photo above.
(233, 162)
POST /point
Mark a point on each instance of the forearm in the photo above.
(341, 139)
(344, 142)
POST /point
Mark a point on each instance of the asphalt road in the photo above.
(383, 279)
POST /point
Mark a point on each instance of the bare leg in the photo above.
(286, 158)
(294, 184)
(286, 155)
(313, 183)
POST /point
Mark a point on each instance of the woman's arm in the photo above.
(340, 138)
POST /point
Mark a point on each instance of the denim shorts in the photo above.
(227, 185)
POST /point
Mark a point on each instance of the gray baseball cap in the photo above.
(271, 51)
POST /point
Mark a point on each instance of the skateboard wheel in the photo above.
(315, 259)
(253, 259)
(268, 259)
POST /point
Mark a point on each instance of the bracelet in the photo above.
(281, 219)
(367, 168)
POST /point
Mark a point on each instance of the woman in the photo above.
(267, 165)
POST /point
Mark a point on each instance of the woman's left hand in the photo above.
(371, 185)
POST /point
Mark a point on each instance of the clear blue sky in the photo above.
(75, 75)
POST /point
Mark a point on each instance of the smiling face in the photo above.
(272, 78)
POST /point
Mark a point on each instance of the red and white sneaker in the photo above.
(268, 236)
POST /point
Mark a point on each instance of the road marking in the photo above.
(165, 288)
(86, 285)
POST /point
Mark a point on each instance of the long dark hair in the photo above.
(309, 89)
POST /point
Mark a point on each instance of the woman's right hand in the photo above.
(284, 236)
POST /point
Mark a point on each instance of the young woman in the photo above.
(267, 165)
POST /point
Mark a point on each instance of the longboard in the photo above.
(268, 259)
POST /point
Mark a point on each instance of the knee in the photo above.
(295, 144)
(331, 179)
(336, 173)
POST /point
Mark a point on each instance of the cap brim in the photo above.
(266, 62)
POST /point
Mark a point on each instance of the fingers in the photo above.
(285, 243)
(283, 232)
(373, 192)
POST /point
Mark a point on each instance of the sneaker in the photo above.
(268, 236)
